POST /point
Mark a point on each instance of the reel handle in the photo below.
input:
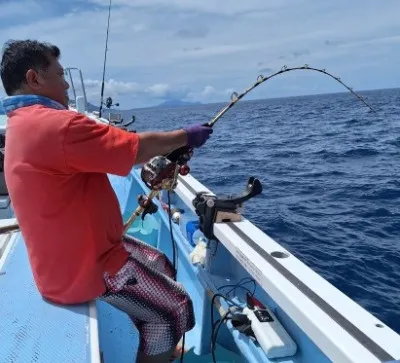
(181, 155)
(140, 209)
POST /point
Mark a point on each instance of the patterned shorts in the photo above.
(144, 288)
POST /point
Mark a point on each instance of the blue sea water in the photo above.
(330, 169)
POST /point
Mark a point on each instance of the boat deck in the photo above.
(32, 329)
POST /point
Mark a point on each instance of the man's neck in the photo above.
(24, 91)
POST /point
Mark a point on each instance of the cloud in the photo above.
(112, 87)
(225, 7)
(208, 94)
(392, 39)
(371, 41)
(16, 10)
(192, 33)
(265, 70)
(139, 92)
(194, 49)
(212, 51)
(299, 53)
(156, 92)
(164, 91)
(189, 45)
(331, 42)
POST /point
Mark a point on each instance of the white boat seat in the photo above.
(34, 330)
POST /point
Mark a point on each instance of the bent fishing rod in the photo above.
(261, 79)
(161, 172)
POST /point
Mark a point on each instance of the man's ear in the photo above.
(33, 79)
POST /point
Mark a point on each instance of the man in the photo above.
(56, 162)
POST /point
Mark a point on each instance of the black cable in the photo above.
(174, 260)
(212, 319)
(240, 284)
(174, 254)
(183, 348)
(245, 280)
(234, 287)
(217, 324)
(214, 333)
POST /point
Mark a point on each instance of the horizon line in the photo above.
(198, 103)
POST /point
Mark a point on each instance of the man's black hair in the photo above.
(21, 55)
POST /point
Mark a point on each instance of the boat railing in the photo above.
(76, 103)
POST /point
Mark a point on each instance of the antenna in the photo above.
(105, 58)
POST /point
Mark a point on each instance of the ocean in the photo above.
(330, 170)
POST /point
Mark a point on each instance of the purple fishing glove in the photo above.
(197, 135)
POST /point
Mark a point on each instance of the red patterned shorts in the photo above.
(144, 288)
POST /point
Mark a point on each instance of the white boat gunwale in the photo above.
(342, 329)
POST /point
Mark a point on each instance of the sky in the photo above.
(202, 50)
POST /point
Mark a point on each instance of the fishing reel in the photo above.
(161, 172)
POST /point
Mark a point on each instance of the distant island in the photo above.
(167, 103)
(92, 107)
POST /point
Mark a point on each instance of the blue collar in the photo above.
(12, 103)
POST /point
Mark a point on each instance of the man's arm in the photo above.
(92, 147)
(159, 143)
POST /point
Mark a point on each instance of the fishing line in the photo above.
(105, 59)
(162, 172)
(235, 97)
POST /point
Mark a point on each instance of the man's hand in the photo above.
(161, 143)
(197, 135)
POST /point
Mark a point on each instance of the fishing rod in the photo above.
(261, 79)
(161, 172)
(105, 59)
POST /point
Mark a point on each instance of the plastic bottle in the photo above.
(197, 237)
(185, 220)
(191, 228)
